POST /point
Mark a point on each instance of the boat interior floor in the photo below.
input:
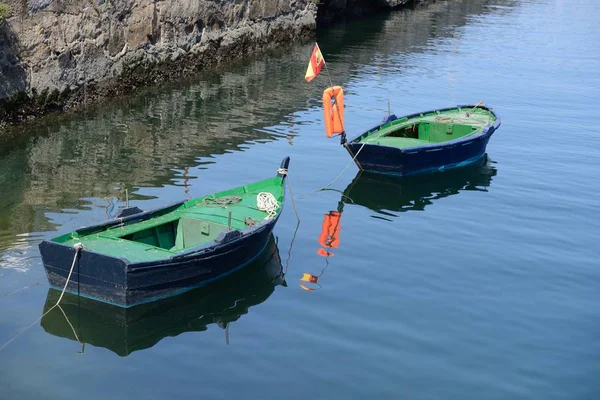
(194, 223)
(429, 129)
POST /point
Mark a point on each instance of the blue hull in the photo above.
(423, 159)
(115, 281)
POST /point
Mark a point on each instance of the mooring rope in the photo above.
(339, 175)
(78, 247)
(221, 201)
(250, 221)
(69, 322)
(18, 290)
(287, 261)
(481, 103)
(283, 171)
(265, 201)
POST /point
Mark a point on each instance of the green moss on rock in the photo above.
(5, 11)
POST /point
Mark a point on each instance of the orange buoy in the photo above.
(333, 108)
(330, 230)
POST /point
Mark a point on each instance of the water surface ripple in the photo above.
(481, 283)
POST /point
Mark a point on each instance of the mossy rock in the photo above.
(5, 11)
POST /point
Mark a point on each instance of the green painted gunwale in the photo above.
(111, 242)
(444, 126)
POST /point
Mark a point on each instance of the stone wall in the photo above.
(56, 54)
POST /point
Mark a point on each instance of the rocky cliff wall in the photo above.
(56, 54)
(61, 54)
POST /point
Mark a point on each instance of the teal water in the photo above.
(483, 283)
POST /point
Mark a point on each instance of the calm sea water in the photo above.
(484, 283)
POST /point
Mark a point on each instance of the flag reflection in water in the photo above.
(329, 238)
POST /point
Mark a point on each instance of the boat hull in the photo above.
(423, 159)
(116, 281)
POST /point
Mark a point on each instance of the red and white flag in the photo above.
(315, 64)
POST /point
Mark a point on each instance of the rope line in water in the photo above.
(7, 294)
(68, 322)
(339, 175)
(78, 247)
(283, 171)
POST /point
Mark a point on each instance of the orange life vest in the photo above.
(333, 108)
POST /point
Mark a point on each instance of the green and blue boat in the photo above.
(145, 256)
(425, 142)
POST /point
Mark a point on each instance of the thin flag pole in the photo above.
(315, 73)
(325, 63)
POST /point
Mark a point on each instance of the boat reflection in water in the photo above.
(125, 330)
(387, 194)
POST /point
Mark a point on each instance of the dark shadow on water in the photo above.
(124, 331)
(387, 194)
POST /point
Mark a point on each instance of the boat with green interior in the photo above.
(143, 256)
(429, 141)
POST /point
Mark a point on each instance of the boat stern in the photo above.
(92, 275)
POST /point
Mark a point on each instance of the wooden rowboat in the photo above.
(431, 141)
(145, 256)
